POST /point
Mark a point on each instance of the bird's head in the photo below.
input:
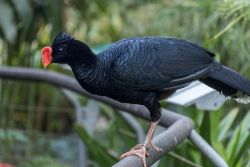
(65, 50)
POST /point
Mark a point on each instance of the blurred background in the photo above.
(38, 121)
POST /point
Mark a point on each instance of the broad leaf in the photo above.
(24, 10)
(226, 123)
(7, 23)
(96, 151)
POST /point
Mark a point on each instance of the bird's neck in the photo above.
(91, 76)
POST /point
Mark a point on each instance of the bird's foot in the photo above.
(139, 150)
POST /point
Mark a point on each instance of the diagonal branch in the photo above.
(168, 118)
(167, 141)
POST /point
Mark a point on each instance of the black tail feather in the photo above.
(227, 81)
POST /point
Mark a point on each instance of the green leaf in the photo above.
(15, 135)
(245, 125)
(215, 119)
(42, 161)
(248, 164)
(226, 123)
(7, 23)
(244, 139)
(242, 149)
(54, 11)
(96, 151)
(206, 134)
(205, 127)
(233, 144)
(24, 11)
(232, 23)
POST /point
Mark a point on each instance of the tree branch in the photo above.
(167, 140)
(168, 118)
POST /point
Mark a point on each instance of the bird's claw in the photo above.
(155, 147)
(139, 150)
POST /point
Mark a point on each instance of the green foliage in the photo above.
(13, 135)
(230, 137)
(28, 25)
(44, 161)
(7, 22)
(97, 151)
(231, 143)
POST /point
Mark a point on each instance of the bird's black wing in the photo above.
(154, 63)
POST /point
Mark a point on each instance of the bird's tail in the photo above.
(228, 82)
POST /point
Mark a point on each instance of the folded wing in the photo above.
(153, 63)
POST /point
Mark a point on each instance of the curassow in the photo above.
(144, 70)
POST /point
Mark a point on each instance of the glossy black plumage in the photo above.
(144, 70)
(154, 63)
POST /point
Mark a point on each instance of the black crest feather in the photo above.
(61, 38)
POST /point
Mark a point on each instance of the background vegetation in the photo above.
(37, 121)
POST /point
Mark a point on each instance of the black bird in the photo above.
(144, 70)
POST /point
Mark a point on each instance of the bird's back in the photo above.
(154, 62)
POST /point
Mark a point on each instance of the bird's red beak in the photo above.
(46, 56)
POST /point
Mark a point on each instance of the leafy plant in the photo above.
(27, 25)
(43, 161)
(98, 152)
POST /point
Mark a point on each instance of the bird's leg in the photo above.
(141, 149)
(148, 141)
(155, 114)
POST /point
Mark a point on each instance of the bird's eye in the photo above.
(59, 51)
